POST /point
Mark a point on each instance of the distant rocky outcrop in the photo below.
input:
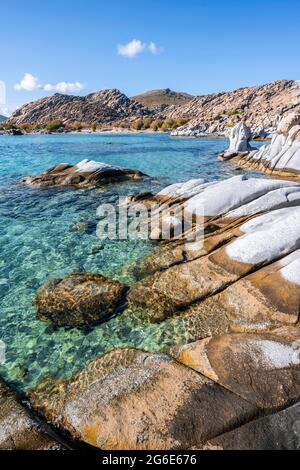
(282, 156)
(260, 107)
(162, 99)
(3, 118)
(103, 107)
(86, 173)
(78, 299)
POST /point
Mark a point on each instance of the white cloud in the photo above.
(154, 49)
(131, 49)
(30, 83)
(64, 87)
(136, 47)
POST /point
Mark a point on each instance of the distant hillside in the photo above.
(2, 118)
(103, 107)
(259, 106)
(161, 98)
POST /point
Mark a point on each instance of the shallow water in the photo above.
(37, 244)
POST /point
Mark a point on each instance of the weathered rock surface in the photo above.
(103, 107)
(282, 156)
(79, 299)
(260, 107)
(262, 368)
(86, 173)
(239, 137)
(18, 430)
(233, 251)
(128, 399)
(279, 431)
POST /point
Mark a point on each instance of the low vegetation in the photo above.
(57, 125)
(158, 124)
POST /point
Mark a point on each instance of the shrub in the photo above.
(155, 125)
(138, 124)
(234, 112)
(78, 126)
(54, 125)
(181, 122)
(94, 127)
(27, 127)
(147, 123)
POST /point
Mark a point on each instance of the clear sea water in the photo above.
(37, 243)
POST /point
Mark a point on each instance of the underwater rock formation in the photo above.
(79, 299)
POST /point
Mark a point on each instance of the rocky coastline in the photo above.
(235, 382)
(238, 293)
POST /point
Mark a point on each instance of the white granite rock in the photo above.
(283, 154)
(239, 137)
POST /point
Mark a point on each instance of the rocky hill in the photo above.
(160, 99)
(103, 107)
(259, 106)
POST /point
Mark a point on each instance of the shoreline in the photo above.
(135, 132)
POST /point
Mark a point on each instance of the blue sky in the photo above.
(199, 46)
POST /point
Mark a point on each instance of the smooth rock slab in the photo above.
(280, 431)
(79, 299)
(86, 173)
(170, 291)
(262, 368)
(129, 399)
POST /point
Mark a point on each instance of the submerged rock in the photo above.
(79, 299)
(131, 400)
(86, 173)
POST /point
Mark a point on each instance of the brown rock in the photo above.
(259, 106)
(79, 299)
(280, 431)
(18, 430)
(164, 293)
(262, 368)
(128, 399)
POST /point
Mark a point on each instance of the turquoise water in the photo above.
(37, 243)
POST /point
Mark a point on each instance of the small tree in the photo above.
(94, 127)
(138, 124)
(78, 126)
(147, 123)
